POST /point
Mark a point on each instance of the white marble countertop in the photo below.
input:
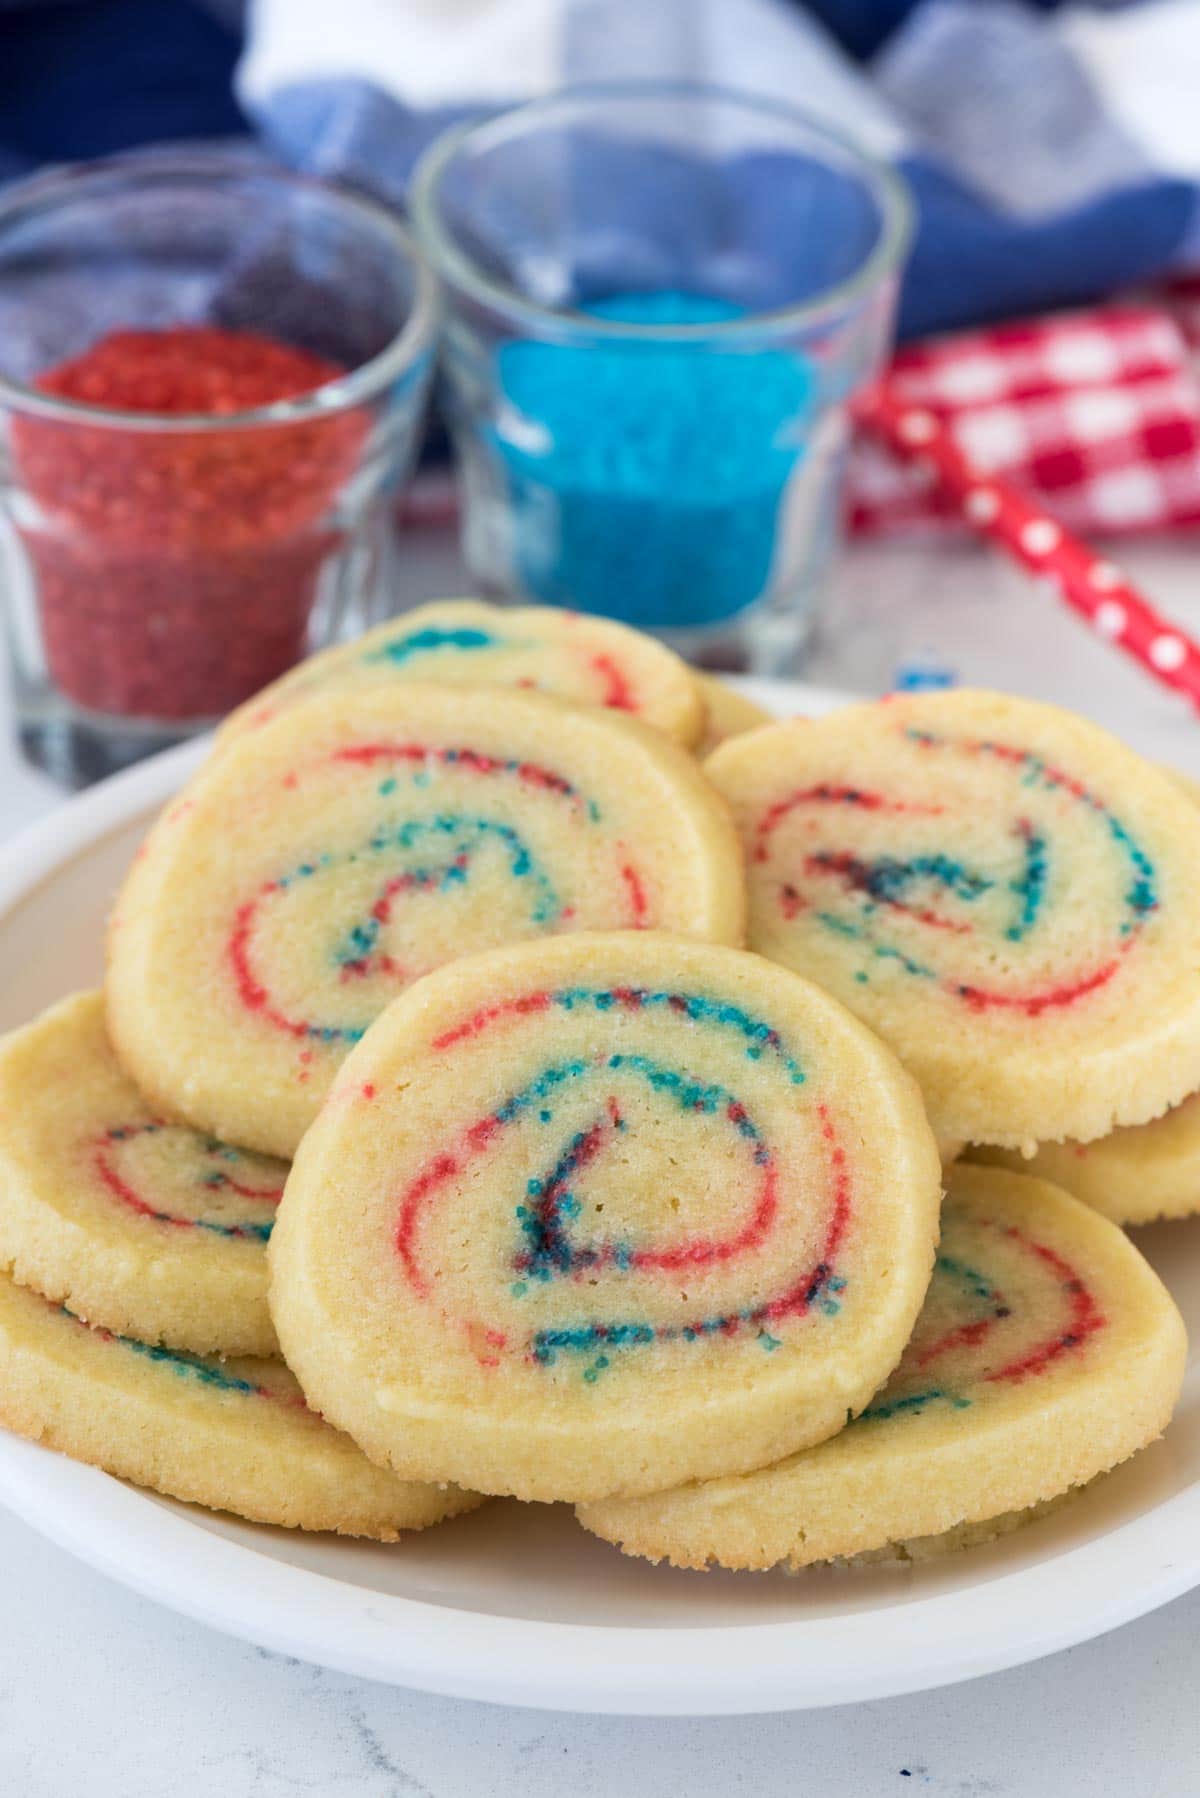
(104, 1692)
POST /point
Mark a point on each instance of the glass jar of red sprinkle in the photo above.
(212, 379)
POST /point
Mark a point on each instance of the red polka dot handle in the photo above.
(1088, 584)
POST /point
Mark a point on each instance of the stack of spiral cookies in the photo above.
(625, 1047)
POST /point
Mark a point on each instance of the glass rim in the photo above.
(463, 273)
(418, 331)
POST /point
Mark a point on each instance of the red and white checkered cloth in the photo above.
(1095, 414)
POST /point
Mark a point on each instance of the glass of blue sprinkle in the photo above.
(659, 303)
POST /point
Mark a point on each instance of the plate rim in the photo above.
(158, 1551)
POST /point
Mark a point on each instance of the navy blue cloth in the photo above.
(861, 27)
(93, 78)
(972, 265)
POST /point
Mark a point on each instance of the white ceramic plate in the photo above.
(515, 1603)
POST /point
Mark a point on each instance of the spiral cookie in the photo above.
(139, 1225)
(233, 1435)
(1000, 889)
(730, 713)
(1047, 1351)
(591, 661)
(1134, 1175)
(323, 863)
(601, 1214)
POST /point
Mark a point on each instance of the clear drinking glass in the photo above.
(158, 566)
(660, 302)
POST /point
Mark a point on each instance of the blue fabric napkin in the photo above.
(1052, 149)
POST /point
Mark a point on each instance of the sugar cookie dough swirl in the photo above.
(234, 1435)
(435, 857)
(319, 866)
(169, 1174)
(624, 1208)
(607, 1087)
(1135, 1175)
(591, 661)
(999, 888)
(141, 1225)
(1047, 1351)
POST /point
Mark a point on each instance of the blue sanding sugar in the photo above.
(646, 478)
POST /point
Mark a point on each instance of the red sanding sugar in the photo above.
(176, 569)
